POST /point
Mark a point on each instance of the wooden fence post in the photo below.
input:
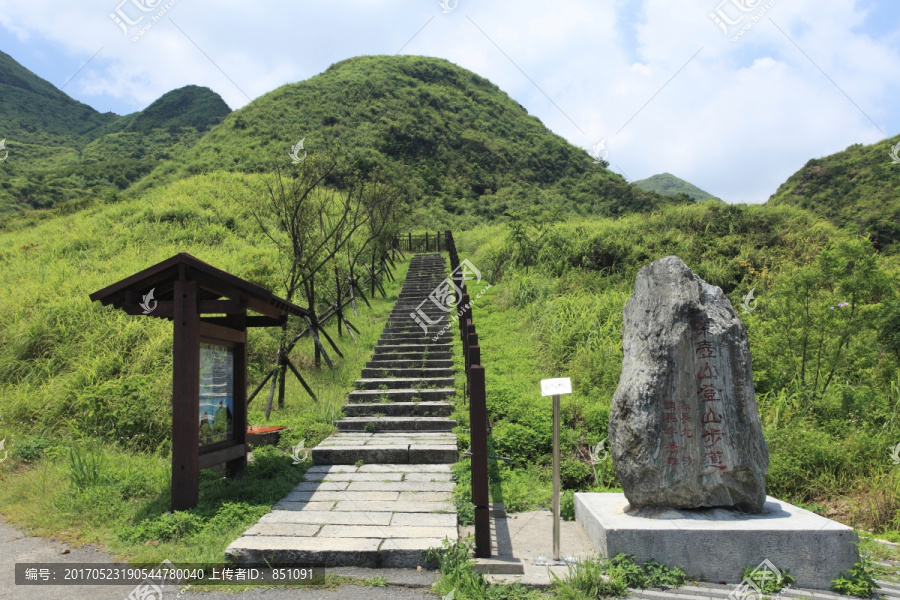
(480, 491)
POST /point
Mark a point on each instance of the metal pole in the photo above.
(555, 477)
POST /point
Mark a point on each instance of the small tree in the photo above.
(818, 310)
(310, 225)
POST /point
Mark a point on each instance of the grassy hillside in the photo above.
(80, 379)
(555, 310)
(667, 184)
(81, 382)
(34, 111)
(858, 188)
(61, 150)
(453, 139)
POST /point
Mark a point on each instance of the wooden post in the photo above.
(426, 242)
(185, 397)
(410, 248)
(236, 467)
(470, 328)
(480, 491)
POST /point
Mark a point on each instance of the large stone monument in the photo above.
(684, 430)
(688, 448)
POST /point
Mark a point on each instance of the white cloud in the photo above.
(736, 121)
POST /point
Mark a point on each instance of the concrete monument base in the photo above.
(717, 544)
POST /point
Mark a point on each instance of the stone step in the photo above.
(433, 331)
(371, 516)
(413, 355)
(428, 363)
(416, 373)
(387, 511)
(401, 395)
(396, 339)
(395, 424)
(399, 409)
(419, 333)
(379, 448)
(409, 347)
(405, 320)
(404, 383)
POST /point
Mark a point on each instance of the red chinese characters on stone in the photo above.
(711, 422)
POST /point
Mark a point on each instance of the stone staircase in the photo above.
(379, 493)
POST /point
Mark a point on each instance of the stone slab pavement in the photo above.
(16, 546)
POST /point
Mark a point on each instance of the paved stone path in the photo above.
(713, 591)
(379, 494)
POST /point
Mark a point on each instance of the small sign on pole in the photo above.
(556, 387)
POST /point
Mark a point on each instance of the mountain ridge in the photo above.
(63, 150)
(460, 147)
(858, 187)
(667, 184)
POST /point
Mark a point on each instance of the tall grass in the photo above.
(77, 375)
(556, 311)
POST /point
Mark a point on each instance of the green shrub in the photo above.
(519, 442)
(575, 474)
(30, 449)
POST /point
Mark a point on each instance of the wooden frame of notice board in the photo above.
(209, 358)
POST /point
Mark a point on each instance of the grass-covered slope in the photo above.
(823, 297)
(454, 140)
(34, 111)
(666, 184)
(859, 188)
(62, 150)
(80, 376)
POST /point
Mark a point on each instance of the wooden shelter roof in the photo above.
(212, 285)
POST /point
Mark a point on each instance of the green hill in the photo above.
(62, 150)
(33, 111)
(190, 106)
(858, 188)
(86, 390)
(453, 139)
(667, 184)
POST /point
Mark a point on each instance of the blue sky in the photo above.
(663, 84)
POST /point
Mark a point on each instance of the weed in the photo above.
(379, 581)
(859, 581)
(358, 463)
(767, 584)
(457, 575)
(567, 505)
(587, 580)
(370, 427)
(86, 463)
(659, 575)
